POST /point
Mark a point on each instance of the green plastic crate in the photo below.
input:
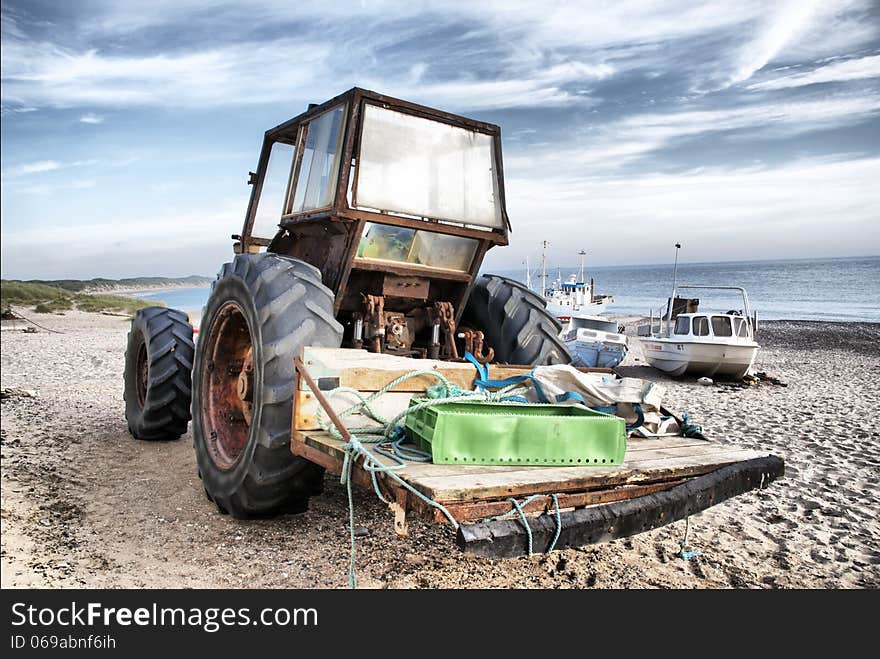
(487, 433)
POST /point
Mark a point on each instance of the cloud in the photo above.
(784, 211)
(840, 71)
(45, 189)
(536, 88)
(181, 242)
(33, 168)
(614, 145)
(790, 18)
(44, 166)
(44, 74)
(91, 119)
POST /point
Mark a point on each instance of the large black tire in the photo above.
(515, 323)
(158, 366)
(279, 305)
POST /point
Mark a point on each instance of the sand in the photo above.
(85, 505)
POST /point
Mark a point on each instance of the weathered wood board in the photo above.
(647, 461)
(368, 372)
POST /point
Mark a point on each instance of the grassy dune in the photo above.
(52, 299)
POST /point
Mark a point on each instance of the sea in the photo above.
(841, 289)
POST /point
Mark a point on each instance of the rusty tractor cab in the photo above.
(396, 204)
(368, 221)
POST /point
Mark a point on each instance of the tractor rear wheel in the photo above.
(515, 322)
(263, 309)
(158, 362)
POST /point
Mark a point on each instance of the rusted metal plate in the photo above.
(408, 287)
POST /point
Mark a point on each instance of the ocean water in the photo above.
(187, 299)
(806, 289)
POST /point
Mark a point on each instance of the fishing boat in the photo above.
(572, 296)
(702, 343)
(594, 341)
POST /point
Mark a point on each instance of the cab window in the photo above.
(721, 326)
(683, 325)
(701, 326)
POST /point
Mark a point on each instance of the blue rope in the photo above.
(684, 553)
(522, 516)
(354, 449)
(518, 509)
(558, 523)
(689, 429)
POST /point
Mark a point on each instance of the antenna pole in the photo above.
(544, 270)
(582, 255)
(672, 297)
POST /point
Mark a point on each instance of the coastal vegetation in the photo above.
(64, 295)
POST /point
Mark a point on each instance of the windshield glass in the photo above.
(319, 155)
(426, 168)
(436, 250)
(683, 325)
(721, 326)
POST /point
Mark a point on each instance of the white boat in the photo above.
(594, 341)
(566, 299)
(574, 296)
(720, 345)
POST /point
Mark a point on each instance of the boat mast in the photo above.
(672, 297)
(582, 280)
(544, 270)
(528, 274)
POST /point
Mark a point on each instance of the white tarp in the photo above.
(603, 390)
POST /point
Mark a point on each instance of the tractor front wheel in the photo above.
(263, 309)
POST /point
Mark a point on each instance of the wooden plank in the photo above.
(638, 450)
(450, 483)
(368, 372)
(482, 509)
(637, 444)
(306, 407)
(568, 479)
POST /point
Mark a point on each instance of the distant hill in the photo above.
(59, 295)
(129, 283)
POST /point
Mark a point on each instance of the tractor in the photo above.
(368, 222)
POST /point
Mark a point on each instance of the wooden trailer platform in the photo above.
(660, 481)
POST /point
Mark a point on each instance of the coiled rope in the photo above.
(391, 434)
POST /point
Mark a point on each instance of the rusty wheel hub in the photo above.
(229, 385)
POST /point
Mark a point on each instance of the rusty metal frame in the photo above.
(340, 211)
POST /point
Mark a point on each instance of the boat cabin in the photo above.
(729, 326)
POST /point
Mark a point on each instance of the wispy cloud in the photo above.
(505, 54)
(44, 166)
(757, 212)
(786, 22)
(33, 168)
(840, 71)
(46, 189)
(614, 145)
(91, 119)
(43, 74)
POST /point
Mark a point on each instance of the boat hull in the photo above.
(595, 348)
(700, 359)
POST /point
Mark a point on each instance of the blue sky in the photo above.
(745, 130)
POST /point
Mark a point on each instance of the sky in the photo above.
(743, 130)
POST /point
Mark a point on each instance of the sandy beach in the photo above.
(85, 505)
